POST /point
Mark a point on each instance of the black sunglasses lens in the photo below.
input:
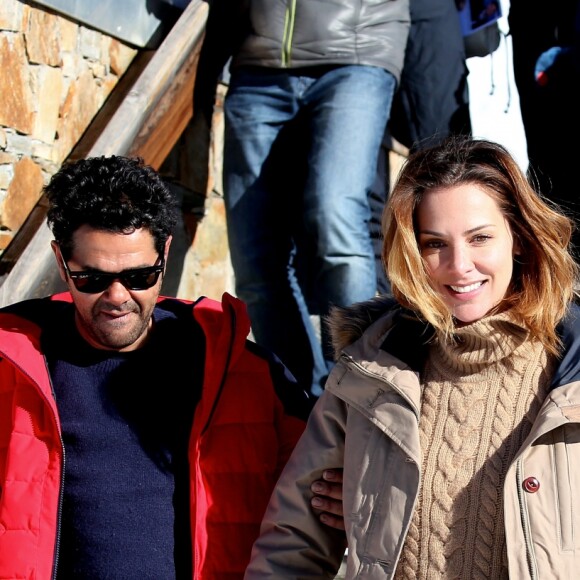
(92, 283)
(141, 280)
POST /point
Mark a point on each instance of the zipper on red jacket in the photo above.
(60, 492)
(61, 484)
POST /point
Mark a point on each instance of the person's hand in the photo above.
(327, 501)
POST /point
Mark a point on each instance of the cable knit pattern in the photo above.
(481, 395)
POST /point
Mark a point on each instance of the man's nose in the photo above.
(117, 293)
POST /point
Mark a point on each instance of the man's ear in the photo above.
(58, 257)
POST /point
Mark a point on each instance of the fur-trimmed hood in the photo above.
(347, 324)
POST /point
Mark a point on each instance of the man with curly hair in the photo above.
(140, 436)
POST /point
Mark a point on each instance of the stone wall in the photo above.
(55, 76)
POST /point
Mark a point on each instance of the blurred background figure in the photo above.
(433, 100)
(545, 40)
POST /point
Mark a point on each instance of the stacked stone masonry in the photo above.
(55, 76)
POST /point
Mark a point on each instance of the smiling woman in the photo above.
(467, 245)
(466, 185)
(446, 402)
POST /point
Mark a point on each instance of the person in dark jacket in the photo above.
(140, 435)
(432, 101)
(547, 95)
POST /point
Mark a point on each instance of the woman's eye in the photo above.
(432, 244)
(481, 238)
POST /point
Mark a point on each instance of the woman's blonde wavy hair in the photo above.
(545, 273)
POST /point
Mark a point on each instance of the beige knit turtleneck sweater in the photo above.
(480, 398)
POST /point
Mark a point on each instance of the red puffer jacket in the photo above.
(241, 438)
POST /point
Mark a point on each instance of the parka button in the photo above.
(531, 484)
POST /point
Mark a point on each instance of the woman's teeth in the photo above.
(464, 289)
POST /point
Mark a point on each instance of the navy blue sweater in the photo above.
(126, 419)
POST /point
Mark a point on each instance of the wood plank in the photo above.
(134, 119)
(147, 122)
(169, 118)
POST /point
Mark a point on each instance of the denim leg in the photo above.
(348, 111)
(259, 109)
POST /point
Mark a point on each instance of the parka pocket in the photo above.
(567, 485)
(381, 503)
(550, 482)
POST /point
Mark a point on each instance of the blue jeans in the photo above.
(300, 156)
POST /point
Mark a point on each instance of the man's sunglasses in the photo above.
(95, 281)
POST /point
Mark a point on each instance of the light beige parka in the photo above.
(367, 421)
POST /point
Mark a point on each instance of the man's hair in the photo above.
(545, 272)
(114, 194)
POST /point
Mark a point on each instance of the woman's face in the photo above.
(468, 247)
